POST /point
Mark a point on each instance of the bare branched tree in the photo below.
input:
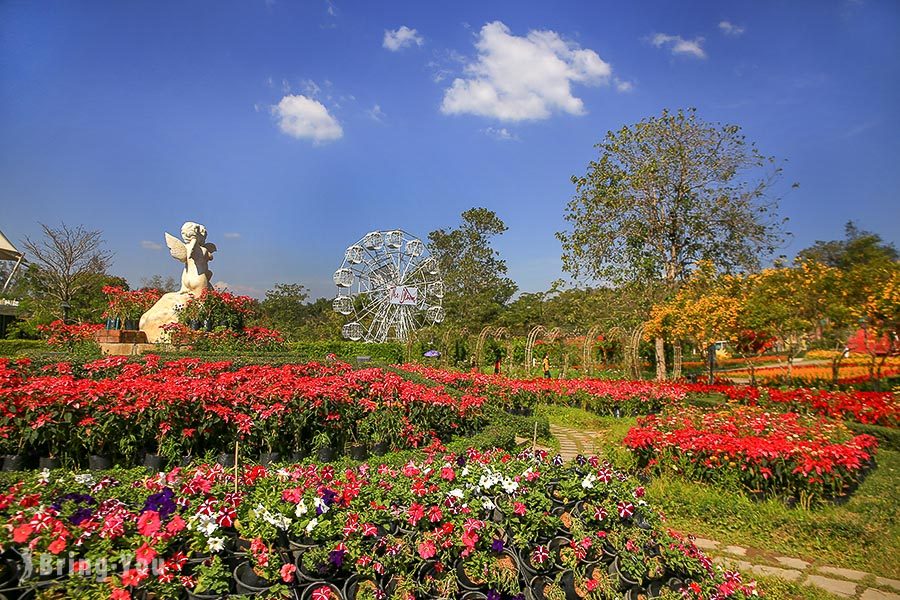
(67, 260)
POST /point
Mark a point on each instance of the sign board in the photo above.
(404, 295)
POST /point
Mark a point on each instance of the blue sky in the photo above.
(290, 129)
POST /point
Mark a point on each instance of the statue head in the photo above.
(193, 231)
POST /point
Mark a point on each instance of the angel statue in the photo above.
(195, 253)
(192, 250)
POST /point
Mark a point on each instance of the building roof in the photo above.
(7, 250)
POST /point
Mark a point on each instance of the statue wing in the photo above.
(176, 248)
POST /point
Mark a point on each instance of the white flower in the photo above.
(84, 479)
(301, 509)
(45, 476)
(320, 504)
(312, 525)
(464, 472)
(208, 528)
(215, 544)
(510, 486)
(456, 493)
(588, 482)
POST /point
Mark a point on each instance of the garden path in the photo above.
(843, 583)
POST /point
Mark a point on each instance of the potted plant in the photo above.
(212, 580)
(321, 443)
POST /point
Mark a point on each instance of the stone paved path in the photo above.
(844, 583)
(572, 442)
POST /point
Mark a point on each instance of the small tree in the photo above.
(65, 264)
(475, 284)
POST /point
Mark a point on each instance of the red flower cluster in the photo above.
(62, 335)
(129, 304)
(769, 453)
(119, 408)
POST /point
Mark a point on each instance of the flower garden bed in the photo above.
(121, 409)
(769, 454)
(609, 397)
(476, 526)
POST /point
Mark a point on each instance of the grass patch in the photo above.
(862, 533)
(773, 588)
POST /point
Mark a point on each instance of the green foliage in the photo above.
(888, 437)
(284, 307)
(388, 352)
(475, 285)
(663, 195)
(17, 347)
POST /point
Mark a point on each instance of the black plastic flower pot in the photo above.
(624, 582)
(13, 462)
(153, 462)
(46, 462)
(325, 454)
(310, 593)
(268, 458)
(98, 462)
(359, 452)
(380, 448)
(465, 581)
(132, 324)
(248, 582)
(355, 583)
(226, 459)
(191, 595)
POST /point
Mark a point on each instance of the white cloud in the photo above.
(729, 28)
(502, 133)
(679, 45)
(622, 85)
(523, 78)
(376, 114)
(231, 235)
(148, 245)
(305, 118)
(401, 38)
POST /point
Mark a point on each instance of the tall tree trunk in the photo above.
(660, 359)
(676, 369)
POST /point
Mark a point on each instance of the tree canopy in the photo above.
(665, 194)
(475, 284)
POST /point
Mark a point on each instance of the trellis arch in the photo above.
(587, 355)
(532, 338)
(479, 347)
(632, 358)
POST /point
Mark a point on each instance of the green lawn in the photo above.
(863, 533)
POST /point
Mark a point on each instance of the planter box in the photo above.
(120, 336)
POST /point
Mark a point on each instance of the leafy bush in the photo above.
(17, 347)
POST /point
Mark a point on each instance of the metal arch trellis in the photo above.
(587, 355)
(479, 346)
(532, 338)
(632, 358)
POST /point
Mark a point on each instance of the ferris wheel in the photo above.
(388, 287)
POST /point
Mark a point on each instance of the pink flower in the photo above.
(287, 572)
(427, 549)
(145, 554)
(519, 508)
(148, 523)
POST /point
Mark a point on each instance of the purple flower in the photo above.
(493, 595)
(80, 516)
(162, 502)
(336, 557)
(461, 460)
(557, 460)
(497, 545)
(581, 460)
(328, 496)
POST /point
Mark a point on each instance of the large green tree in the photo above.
(475, 284)
(665, 194)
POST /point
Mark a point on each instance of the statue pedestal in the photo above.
(120, 336)
(162, 313)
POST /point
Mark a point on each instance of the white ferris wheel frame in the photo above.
(376, 269)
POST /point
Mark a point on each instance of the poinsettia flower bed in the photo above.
(446, 526)
(645, 397)
(767, 453)
(603, 396)
(121, 408)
